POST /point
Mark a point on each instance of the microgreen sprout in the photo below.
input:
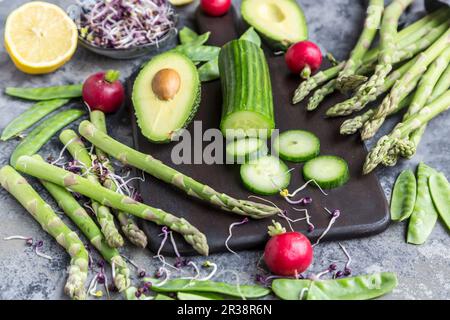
(293, 194)
(230, 234)
(334, 216)
(28, 240)
(347, 270)
(311, 226)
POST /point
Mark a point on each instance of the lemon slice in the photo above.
(180, 2)
(40, 37)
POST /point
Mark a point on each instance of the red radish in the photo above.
(287, 253)
(304, 57)
(215, 8)
(103, 91)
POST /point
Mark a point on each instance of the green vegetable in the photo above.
(403, 196)
(44, 132)
(79, 152)
(15, 184)
(198, 53)
(128, 226)
(280, 22)
(169, 175)
(247, 91)
(265, 176)
(424, 216)
(48, 93)
(41, 170)
(252, 36)
(199, 296)
(401, 86)
(169, 87)
(247, 149)
(373, 18)
(320, 94)
(362, 287)
(162, 297)
(440, 192)
(209, 71)
(187, 35)
(327, 171)
(297, 145)
(201, 286)
(30, 117)
(388, 34)
(403, 129)
(84, 222)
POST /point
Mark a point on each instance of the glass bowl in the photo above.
(74, 12)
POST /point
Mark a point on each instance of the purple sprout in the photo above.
(141, 273)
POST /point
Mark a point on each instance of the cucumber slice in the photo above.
(245, 150)
(297, 145)
(328, 171)
(266, 175)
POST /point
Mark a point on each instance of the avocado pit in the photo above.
(166, 84)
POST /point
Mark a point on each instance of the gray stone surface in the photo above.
(422, 270)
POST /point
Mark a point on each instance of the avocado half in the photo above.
(160, 117)
(280, 22)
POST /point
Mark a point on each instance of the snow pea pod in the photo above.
(31, 116)
(440, 193)
(291, 289)
(47, 93)
(362, 287)
(187, 35)
(403, 196)
(163, 297)
(198, 296)
(43, 132)
(424, 215)
(209, 71)
(191, 286)
(198, 53)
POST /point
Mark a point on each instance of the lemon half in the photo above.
(40, 37)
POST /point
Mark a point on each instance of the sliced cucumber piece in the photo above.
(328, 171)
(245, 150)
(297, 145)
(266, 175)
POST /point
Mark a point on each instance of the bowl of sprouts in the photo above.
(124, 29)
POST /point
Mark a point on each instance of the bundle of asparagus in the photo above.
(410, 66)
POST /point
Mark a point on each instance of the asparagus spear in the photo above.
(128, 225)
(42, 170)
(388, 35)
(15, 184)
(320, 94)
(356, 103)
(391, 101)
(165, 173)
(373, 19)
(82, 219)
(407, 147)
(432, 24)
(403, 129)
(104, 217)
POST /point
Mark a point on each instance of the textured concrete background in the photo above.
(335, 25)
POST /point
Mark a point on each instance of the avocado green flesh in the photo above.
(159, 119)
(281, 22)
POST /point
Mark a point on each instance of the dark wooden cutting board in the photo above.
(363, 205)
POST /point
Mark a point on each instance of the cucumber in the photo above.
(327, 171)
(297, 145)
(247, 91)
(265, 176)
(247, 149)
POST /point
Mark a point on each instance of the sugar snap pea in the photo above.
(31, 116)
(209, 71)
(424, 215)
(46, 93)
(198, 53)
(403, 196)
(43, 132)
(252, 36)
(440, 193)
(362, 287)
(199, 296)
(187, 35)
(186, 285)
(163, 297)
